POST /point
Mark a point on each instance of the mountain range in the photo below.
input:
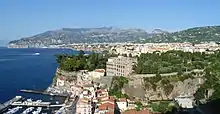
(112, 35)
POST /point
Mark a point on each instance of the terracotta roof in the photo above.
(133, 111)
(62, 78)
(107, 106)
(100, 70)
(110, 99)
(122, 100)
(101, 90)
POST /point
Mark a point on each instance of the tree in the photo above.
(130, 55)
(200, 93)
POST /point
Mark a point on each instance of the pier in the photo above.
(37, 104)
(4, 106)
(42, 92)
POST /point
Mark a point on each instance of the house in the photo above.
(131, 104)
(60, 81)
(105, 108)
(122, 104)
(106, 105)
(83, 106)
(75, 89)
(97, 74)
(90, 88)
(100, 94)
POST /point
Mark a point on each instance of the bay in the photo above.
(22, 69)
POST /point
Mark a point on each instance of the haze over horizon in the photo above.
(25, 18)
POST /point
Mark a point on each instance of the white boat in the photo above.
(28, 110)
(13, 110)
(37, 111)
(36, 54)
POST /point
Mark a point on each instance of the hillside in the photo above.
(112, 35)
(81, 35)
(195, 35)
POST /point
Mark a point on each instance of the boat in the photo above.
(36, 54)
(13, 110)
(37, 111)
(28, 110)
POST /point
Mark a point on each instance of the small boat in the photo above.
(37, 111)
(36, 54)
(28, 110)
(13, 110)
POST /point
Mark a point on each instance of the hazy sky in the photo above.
(21, 18)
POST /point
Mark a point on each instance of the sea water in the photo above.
(23, 69)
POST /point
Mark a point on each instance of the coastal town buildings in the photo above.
(120, 66)
(97, 73)
(83, 106)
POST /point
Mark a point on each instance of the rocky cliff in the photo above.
(165, 89)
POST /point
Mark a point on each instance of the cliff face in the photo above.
(138, 88)
(69, 76)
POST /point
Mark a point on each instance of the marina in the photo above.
(8, 103)
(42, 92)
(18, 104)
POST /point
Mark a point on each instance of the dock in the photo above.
(4, 106)
(42, 92)
(37, 104)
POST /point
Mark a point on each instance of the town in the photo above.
(131, 78)
(96, 90)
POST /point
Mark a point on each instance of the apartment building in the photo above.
(120, 66)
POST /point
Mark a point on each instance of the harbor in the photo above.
(21, 105)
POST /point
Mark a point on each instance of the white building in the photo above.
(120, 66)
(184, 101)
(122, 104)
(98, 73)
(60, 81)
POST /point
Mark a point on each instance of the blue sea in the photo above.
(22, 69)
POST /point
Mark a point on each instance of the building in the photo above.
(98, 73)
(120, 66)
(83, 106)
(60, 81)
(184, 101)
(122, 104)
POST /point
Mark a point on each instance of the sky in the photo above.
(24, 18)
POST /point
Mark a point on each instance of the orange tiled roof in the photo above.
(122, 100)
(109, 100)
(100, 70)
(107, 106)
(101, 90)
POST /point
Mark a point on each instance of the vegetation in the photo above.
(139, 105)
(194, 35)
(116, 86)
(183, 63)
(162, 106)
(169, 62)
(82, 61)
(212, 76)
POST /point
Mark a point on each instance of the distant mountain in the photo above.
(81, 35)
(111, 35)
(159, 31)
(196, 35)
